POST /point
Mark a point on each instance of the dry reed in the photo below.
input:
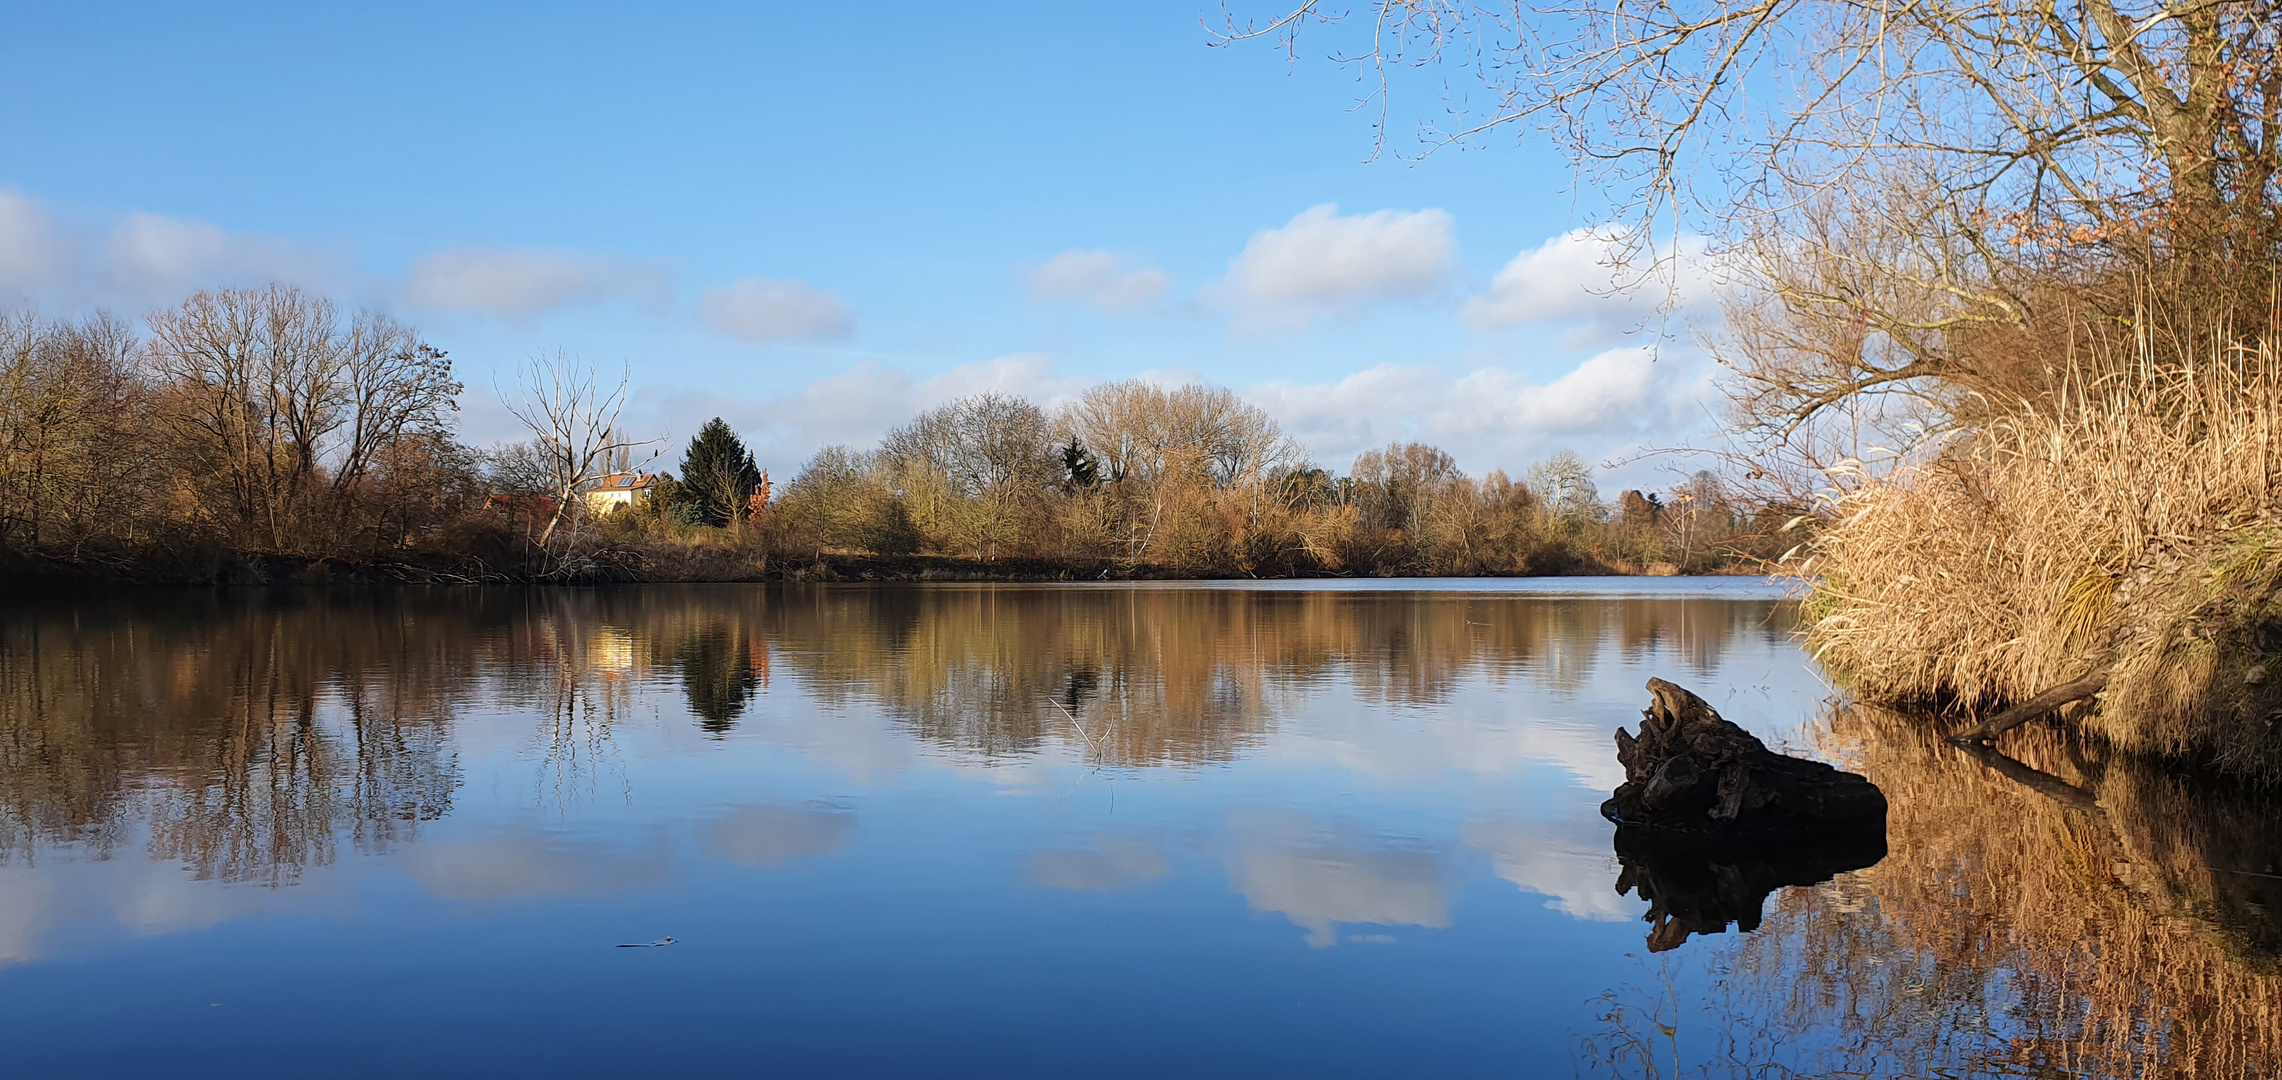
(2126, 521)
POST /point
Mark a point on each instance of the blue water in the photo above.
(1226, 829)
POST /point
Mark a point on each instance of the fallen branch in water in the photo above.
(2082, 687)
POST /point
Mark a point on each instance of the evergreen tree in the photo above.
(717, 474)
(1080, 470)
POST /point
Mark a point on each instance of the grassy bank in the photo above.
(2127, 524)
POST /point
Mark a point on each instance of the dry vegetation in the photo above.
(2003, 289)
(2126, 523)
(1196, 481)
(258, 434)
(2083, 915)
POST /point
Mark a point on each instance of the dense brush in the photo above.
(2128, 522)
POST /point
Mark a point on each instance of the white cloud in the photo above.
(1613, 403)
(1627, 391)
(26, 905)
(107, 901)
(1571, 864)
(768, 835)
(1111, 862)
(767, 309)
(519, 284)
(1582, 279)
(161, 258)
(1322, 263)
(521, 861)
(1031, 375)
(1320, 881)
(1103, 279)
(155, 249)
(33, 253)
(147, 258)
(144, 258)
(857, 405)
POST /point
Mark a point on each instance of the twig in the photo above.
(1073, 718)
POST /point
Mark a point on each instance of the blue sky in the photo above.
(815, 219)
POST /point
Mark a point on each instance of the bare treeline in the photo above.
(268, 423)
(1197, 480)
(248, 420)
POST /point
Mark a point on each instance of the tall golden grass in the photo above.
(2125, 520)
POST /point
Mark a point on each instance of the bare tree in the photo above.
(395, 386)
(978, 468)
(1907, 190)
(573, 420)
(1140, 430)
(1394, 487)
(2078, 110)
(1563, 487)
(249, 375)
(285, 409)
(69, 409)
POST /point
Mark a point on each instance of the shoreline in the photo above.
(243, 570)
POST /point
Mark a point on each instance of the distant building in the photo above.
(617, 491)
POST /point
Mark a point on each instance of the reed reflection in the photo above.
(2056, 910)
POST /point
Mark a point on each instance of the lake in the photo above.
(1204, 829)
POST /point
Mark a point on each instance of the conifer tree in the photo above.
(718, 473)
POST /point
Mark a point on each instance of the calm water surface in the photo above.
(1186, 829)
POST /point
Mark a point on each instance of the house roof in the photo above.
(622, 482)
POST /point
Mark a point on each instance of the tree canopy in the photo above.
(718, 474)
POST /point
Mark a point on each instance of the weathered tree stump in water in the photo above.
(1690, 769)
(1709, 821)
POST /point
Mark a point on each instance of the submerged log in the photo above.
(1690, 769)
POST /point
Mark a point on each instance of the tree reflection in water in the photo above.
(1189, 677)
(2074, 914)
(247, 739)
(722, 667)
(249, 735)
(2056, 911)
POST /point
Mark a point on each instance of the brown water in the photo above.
(1089, 830)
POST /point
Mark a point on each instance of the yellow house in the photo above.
(617, 491)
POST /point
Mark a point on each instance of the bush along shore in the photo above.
(260, 436)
